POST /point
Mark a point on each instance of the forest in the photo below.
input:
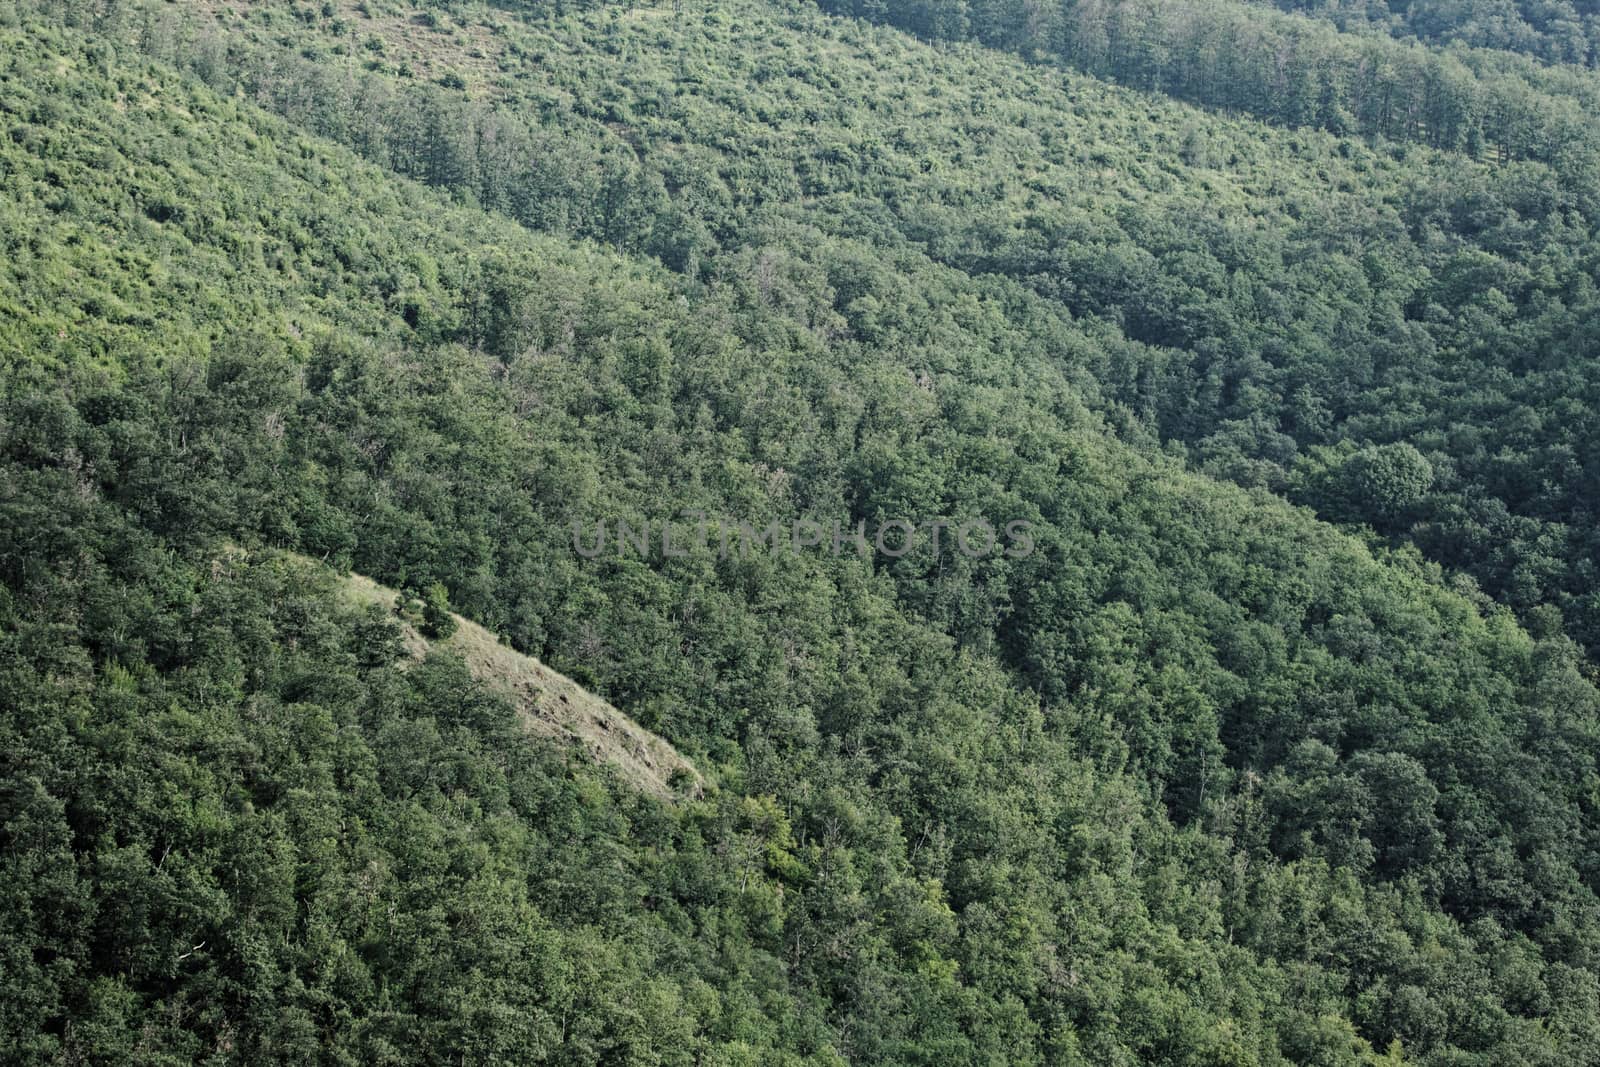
(1281, 747)
(1273, 303)
(1290, 69)
(1558, 31)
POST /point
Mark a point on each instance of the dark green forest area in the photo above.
(1558, 31)
(1289, 69)
(1281, 748)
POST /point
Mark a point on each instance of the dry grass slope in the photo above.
(551, 704)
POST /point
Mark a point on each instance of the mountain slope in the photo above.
(1200, 780)
(1562, 32)
(1292, 70)
(1296, 310)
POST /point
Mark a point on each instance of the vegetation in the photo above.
(1560, 31)
(1264, 299)
(1202, 780)
(1289, 69)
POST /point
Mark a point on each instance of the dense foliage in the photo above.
(1201, 781)
(1273, 301)
(1289, 69)
(1560, 31)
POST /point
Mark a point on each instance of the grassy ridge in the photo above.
(549, 704)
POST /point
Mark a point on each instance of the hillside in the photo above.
(1289, 307)
(1202, 779)
(1293, 70)
(1559, 32)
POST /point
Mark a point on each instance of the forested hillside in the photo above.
(1302, 313)
(289, 290)
(1560, 31)
(1289, 69)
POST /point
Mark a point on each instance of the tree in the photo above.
(1386, 482)
(437, 621)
